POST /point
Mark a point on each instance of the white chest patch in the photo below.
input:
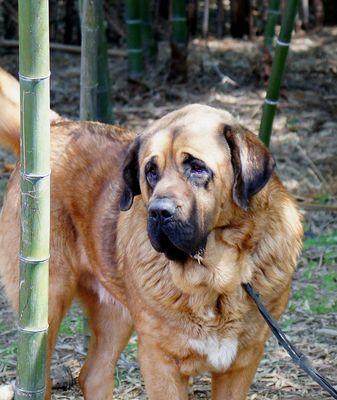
(103, 295)
(220, 352)
(106, 298)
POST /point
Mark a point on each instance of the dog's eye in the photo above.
(198, 167)
(195, 166)
(151, 173)
(197, 171)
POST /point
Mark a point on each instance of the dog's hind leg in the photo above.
(61, 294)
(111, 328)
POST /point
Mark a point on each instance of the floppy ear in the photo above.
(130, 176)
(252, 163)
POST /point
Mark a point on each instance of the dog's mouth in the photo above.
(167, 241)
(163, 244)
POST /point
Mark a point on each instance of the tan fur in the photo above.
(172, 303)
(185, 314)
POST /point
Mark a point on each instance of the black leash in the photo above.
(299, 358)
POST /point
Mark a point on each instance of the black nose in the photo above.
(163, 209)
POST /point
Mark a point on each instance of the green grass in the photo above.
(319, 295)
(293, 124)
(8, 335)
(72, 324)
(321, 241)
(323, 198)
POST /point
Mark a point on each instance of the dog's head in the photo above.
(190, 167)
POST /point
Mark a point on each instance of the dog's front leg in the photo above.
(234, 383)
(163, 380)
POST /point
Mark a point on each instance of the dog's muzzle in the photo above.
(169, 234)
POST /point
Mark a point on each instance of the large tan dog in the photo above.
(203, 213)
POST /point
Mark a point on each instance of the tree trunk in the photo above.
(192, 17)
(305, 14)
(240, 11)
(69, 21)
(319, 13)
(179, 40)
(53, 22)
(10, 26)
(164, 8)
(205, 21)
(220, 19)
(330, 12)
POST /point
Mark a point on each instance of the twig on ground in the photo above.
(69, 48)
(317, 207)
(313, 167)
(224, 78)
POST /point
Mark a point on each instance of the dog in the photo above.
(162, 242)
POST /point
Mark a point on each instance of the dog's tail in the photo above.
(10, 112)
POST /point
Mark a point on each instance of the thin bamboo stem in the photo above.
(273, 14)
(179, 40)
(35, 198)
(205, 21)
(95, 97)
(104, 106)
(179, 23)
(275, 80)
(134, 39)
(149, 43)
(220, 21)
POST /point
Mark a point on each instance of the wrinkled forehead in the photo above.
(198, 132)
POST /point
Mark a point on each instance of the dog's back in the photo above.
(84, 155)
(9, 222)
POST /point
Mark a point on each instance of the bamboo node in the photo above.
(35, 79)
(271, 102)
(135, 51)
(178, 19)
(133, 21)
(281, 43)
(28, 177)
(26, 392)
(273, 12)
(33, 330)
(33, 261)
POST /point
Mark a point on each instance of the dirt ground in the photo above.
(225, 74)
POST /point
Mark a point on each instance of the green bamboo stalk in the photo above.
(134, 39)
(35, 198)
(95, 98)
(80, 10)
(104, 106)
(275, 80)
(179, 40)
(179, 23)
(149, 43)
(273, 14)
